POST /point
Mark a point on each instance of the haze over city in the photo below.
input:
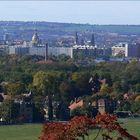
(92, 12)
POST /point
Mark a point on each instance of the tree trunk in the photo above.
(50, 107)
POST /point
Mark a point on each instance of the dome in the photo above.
(35, 39)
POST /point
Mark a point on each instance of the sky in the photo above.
(92, 12)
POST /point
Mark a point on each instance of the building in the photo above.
(38, 50)
(126, 50)
(6, 37)
(35, 39)
(44, 50)
(76, 104)
(119, 49)
(106, 106)
(19, 50)
(132, 50)
(89, 49)
(103, 51)
(60, 110)
(56, 51)
(101, 105)
(25, 107)
(50, 51)
(84, 51)
(79, 50)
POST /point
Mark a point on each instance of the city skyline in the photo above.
(91, 12)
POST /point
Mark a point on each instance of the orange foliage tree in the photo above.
(79, 127)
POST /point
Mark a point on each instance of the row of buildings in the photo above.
(126, 50)
(101, 106)
(35, 47)
(80, 49)
(25, 108)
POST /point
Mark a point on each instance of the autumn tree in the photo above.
(80, 126)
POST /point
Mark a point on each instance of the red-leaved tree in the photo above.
(80, 126)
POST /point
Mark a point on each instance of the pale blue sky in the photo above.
(93, 12)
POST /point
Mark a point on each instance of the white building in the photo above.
(119, 49)
(56, 51)
(38, 50)
(19, 50)
(84, 47)
(84, 51)
(50, 51)
(126, 50)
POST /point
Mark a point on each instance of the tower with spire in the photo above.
(76, 39)
(92, 40)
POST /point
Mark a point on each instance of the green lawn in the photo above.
(32, 131)
(132, 125)
(20, 132)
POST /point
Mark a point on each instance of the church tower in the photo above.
(76, 39)
(92, 40)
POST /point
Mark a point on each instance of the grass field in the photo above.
(20, 132)
(133, 126)
(32, 131)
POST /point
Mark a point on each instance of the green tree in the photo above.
(67, 91)
(38, 112)
(63, 57)
(79, 111)
(85, 110)
(81, 81)
(117, 87)
(137, 87)
(105, 89)
(15, 88)
(125, 86)
(47, 84)
(39, 82)
(137, 99)
(95, 83)
(9, 110)
(124, 106)
(135, 107)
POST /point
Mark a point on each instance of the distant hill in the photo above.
(52, 29)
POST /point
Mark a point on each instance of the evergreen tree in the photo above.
(94, 83)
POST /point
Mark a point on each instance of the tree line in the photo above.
(64, 80)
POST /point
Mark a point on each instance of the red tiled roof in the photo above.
(45, 62)
(76, 105)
